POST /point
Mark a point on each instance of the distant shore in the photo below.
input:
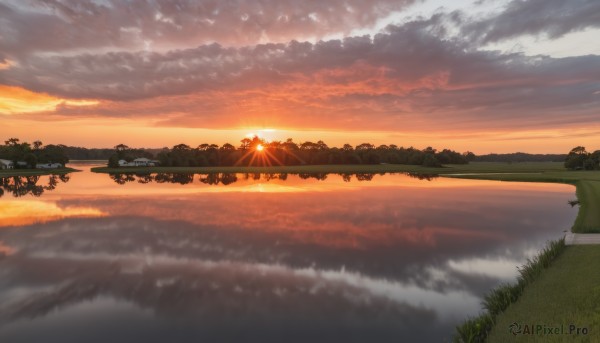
(473, 167)
(587, 183)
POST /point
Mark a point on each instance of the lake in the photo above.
(261, 258)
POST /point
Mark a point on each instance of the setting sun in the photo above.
(260, 147)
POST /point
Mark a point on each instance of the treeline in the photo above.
(580, 159)
(258, 152)
(80, 153)
(26, 155)
(519, 157)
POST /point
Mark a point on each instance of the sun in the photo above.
(260, 147)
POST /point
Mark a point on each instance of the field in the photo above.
(564, 294)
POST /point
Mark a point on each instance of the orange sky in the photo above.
(185, 75)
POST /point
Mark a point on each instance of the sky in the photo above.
(469, 75)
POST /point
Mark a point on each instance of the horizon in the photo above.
(193, 146)
(482, 76)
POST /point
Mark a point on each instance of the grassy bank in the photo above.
(588, 218)
(568, 293)
(34, 172)
(498, 300)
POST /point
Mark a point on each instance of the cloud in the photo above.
(62, 25)
(552, 18)
(408, 77)
(400, 78)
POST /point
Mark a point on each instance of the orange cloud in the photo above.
(15, 100)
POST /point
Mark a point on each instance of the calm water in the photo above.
(261, 258)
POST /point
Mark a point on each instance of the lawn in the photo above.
(566, 293)
(588, 218)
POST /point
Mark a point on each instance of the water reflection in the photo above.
(393, 259)
(229, 178)
(20, 186)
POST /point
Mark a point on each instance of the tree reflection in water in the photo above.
(20, 186)
(229, 178)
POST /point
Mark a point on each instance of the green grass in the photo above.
(34, 172)
(567, 293)
(476, 330)
(588, 218)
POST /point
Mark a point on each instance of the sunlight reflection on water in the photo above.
(263, 258)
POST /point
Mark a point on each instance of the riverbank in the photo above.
(35, 172)
(565, 294)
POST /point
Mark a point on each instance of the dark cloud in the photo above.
(407, 75)
(60, 25)
(552, 18)
(409, 70)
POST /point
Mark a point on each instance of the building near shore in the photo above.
(138, 162)
(6, 164)
(48, 165)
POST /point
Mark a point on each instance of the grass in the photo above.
(568, 293)
(588, 218)
(35, 172)
(495, 303)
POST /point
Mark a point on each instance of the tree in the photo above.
(245, 143)
(113, 161)
(227, 147)
(576, 159)
(31, 160)
(431, 161)
(12, 142)
(122, 150)
(347, 147)
(121, 147)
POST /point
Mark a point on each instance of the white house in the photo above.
(138, 162)
(6, 164)
(142, 162)
(48, 165)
